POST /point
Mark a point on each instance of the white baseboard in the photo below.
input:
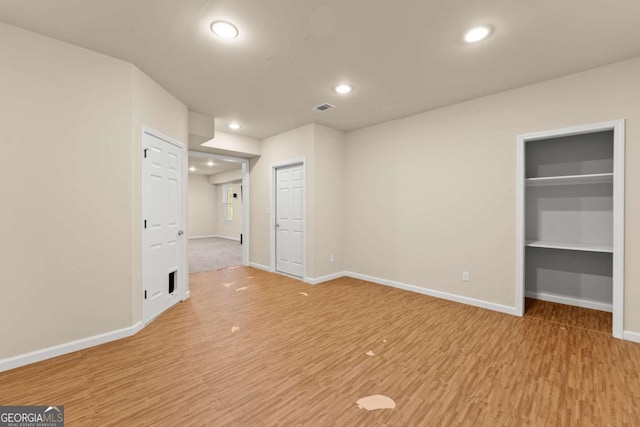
(202, 237)
(260, 267)
(321, 279)
(187, 295)
(631, 336)
(309, 280)
(70, 347)
(437, 294)
(235, 239)
(561, 299)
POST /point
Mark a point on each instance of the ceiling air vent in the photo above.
(323, 107)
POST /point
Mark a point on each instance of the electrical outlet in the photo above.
(465, 276)
(266, 211)
(332, 258)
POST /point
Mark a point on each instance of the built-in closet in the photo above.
(571, 217)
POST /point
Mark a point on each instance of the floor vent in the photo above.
(323, 107)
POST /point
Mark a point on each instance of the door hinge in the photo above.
(145, 294)
(145, 152)
(145, 223)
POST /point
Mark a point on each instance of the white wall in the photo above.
(202, 207)
(291, 145)
(329, 209)
(432, 195)
(323, 149)
(232, 144)
(70, 184)
(227, 176)
(66, 241)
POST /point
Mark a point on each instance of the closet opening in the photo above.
(571, 226)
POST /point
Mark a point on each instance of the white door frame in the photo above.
(245, 195)
(272, 223)
(184, 292)
(618, 128)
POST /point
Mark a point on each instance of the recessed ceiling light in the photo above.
(209, 163)
(342, 89)
(192, 169)
(477, 34)
(234, 126)
(224, 29)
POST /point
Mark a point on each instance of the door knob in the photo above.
(277, 225)
(180, 232)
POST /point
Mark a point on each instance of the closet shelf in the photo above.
(571, 246)
(596, 178)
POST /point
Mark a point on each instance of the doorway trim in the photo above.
(618, 128)
(246, 241)
(272, 217)
(184, 292)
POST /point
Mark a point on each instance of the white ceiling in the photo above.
(202, 167)
(402, 56)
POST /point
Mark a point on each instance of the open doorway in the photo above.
(215, 213)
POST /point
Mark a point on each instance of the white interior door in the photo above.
(163, 231)
(290, 220)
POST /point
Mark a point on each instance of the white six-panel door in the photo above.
(289, 218)
(163, 230)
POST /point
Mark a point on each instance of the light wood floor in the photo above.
(579, 317)
(300, 360)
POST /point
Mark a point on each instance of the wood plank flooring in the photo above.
(300, 360)
(579, 317)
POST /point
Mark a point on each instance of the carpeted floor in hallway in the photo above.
(213, 253)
